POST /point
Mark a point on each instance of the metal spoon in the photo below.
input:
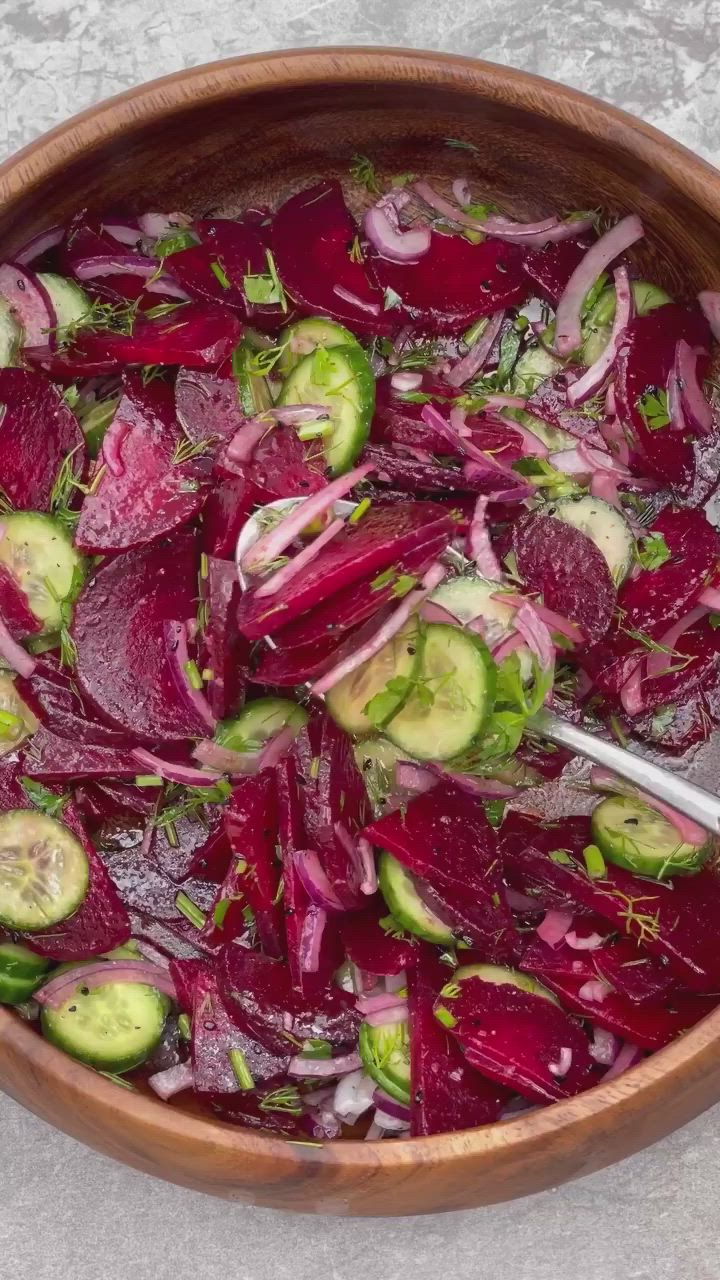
(694, 802)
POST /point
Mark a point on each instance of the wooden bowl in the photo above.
(209, 138)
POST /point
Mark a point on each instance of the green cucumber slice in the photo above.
(398, 661)
(602, 524)
(17, 721)
(470, 596)
(554, 437)
(10, 335)
(253, 390)
(340, 378)
(385, 1053)
(376, 759)
(258, 722)
(534, 366)
(44, 870)
(69, 301)
(501, 976)
(632, 835)
(404, 902)
(40, 554)
(21, 973)
(598, 325)
(459, 674)
(113, 1028)
(300, 339)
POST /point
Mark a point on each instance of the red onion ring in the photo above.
(280, 579)
(300, 1066)
(627, 1057)
(14, 654)
(553, 927)
(373, 308)
(480, 547)
(473, 361)
(55, 992)
(390, 241)
(593, 379)
(276, 540)
(176, 647)
(38, 245)
(568, 334)
(172, 772)
(698, 412)
(709, 301)
(315, 881)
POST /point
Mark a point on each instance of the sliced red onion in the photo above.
(167, 287)
(406, 380)
(14, 654)
(473, 361)
(310, 944)
(432, 612)
(278, 746)
(432, 418)
(379, 1001)
(389, 1124)
(560, 1068)
(595, 991)
(276, 540)
(292, 414)
(594, 378)
(353, 1096)
(391, 242)
(280, 579)
(507, 646)
(657, 663)
(590, 942)
(612, 432)
(534, 447)
(373, 308)
(631, 694)
(300, 1066)
(129, 233)
(697, 410)
(499, 400)
(158, 225)
(627, 1057)
(458, 422)
(384, 1017)
(120, 264)
(568, 333)
(38, 245)
(176, 647)
(374, 1133)
(519, 901)
(391, 1107)
(146, 842)
(535, 634)
(172, 772)
(610, 404)
(555, 621)
(461, 191)
(709, 301)
(487, 788)
(369, 882)
(314, 880)
(55, 992)
(30, 305)
(241, 447)
(479, 544)
(690, 832)
(605, 486)
(224, 760)
(112, 444)
(530, 234)
(553, 927)
(433, 577)
(710, 598)
(413, 777)
(604, 1047)
(175, 1080)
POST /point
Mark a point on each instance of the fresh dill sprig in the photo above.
(362, 171)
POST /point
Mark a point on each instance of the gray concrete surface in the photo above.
(66, 1212)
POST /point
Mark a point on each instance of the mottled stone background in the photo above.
(68, 1214)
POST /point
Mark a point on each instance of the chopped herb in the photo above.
(220, 275)
(315, 430)
(444, 1016)
(316, 1049)
(509, 349)
(322, 366)
(391, 299)
(662, 720)
(204, 566)
(265, 289)
(184, 1026)
(194, 678)
(402, 179)
(362, 506)
(241, 1070)
(285, 1099)
(418, 357)
(314, 767)
(62, 491)
(10, 726)
(714, 620)
(362, 171)
(617, 731)
(404, 583)
(355, 251)
(562, 857)
(417, 397)
(189, 909)
(261, 363)
(383, 579)
(460, 144)
(450, 991)
(188, 802)
(653, 408)
(186, 449)
(652, 551)
(221, 909)
(43, 799)
(174, 242)
(594, 862)
(148, 780)
(393, 928)
(495, 811)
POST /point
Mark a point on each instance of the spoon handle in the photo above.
(692, 801)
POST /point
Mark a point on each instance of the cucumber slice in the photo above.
(404, 902)
(10, 335)
(470, 597)
(253, 390)
(70, 302)
(258, 722)
(632, 835)
(534, 366)
(459, 673)
(602, 524)
(500, 976)
(598, 325)
(399, 660)
(554, 437)
(39, 553)
(340, 378)
(17, 721)
(113, 1028)
(21, 973)
(44, 870)
(385, 1053)
(300, 339)
(376, 759)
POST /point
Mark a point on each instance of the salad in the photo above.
(304, 519)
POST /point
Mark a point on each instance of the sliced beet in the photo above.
(417, 476)
(566, 568)
(85, 238)
(261, 1000)
(444, 837)
(207, 403)
(198, 848)
(286, 668)
(678, 924)
(455, 281)
(15, 608)
(28, 471)
(515, 1038)
(312, 236)
(382, 537)
(124, 666)
(241, 249)
(645, 358)
(246, 1108)
(108, 800)
(185, 974)
(446, 1093)
(549, 401)
(639, 978)
(549, 269)
(53, 696)
(400, 420)
(154, 494)
(196, 335)
(55, 759)
(658, 597)
(215, 1034)
(371, 947)
(230, 500)
(686, 724)
(695, 660)
(283, 467)
(173, 940)
(227, 652)
(100, 923)
(12, 793)
(145, 887)
(336, 809)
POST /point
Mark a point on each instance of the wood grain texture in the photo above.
(253, 128)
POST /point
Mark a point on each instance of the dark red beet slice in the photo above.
(27, 471)
(286, 668)
(371, 948)
(444, 837)
(202, 849)
(12, 794)
(15, 609)
(283, 467)
(145, 887)
(154, 494)
(185, 974)
(678, 924)
(336, 808)
(312, 235)
(455, 282)
(85, 238)
(246, 1108)
(549, 401)
(215, 1034)
(383, 536)
(644, 360)
(196, 335)
(175, 940)
(414, 476)
(549, 269)
(253, 878)
(695, 660)
(460, 913)
(124, 666)
(566, 568)
(207, 404)
(100, 923)
(446, 1094)
(105, 801)
(260, 998)
(515, 1037)
(53, 696)
(689, 722)
(658, 597)
(230, 500)
(227, 652)
(637, 977)
(55, 759)
(400, 420)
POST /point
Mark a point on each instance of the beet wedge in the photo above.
(637, 977)
(283, 467)
(418, 476)
(195, 846)
(444, 838)
(374, 948)
(152, 491)
(27, 471)
(549, 402)
(549, 269)
(446, 1093)
(54, 759)
(312, 234)
(260, 998)
(215, 270)
(518, 1039)
(215, 1035)
(124, 665)
(381, 538)
(229, 502)
(195, 335)
(567, 570)
(53, 696)
(287, 668)
(207, 404)
(227, 653)
(15, 608)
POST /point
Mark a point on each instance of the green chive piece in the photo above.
(207, 673)
(313, 430)
(184, 1026)
(220, 275)
(314, 767)
(193, 675)
(241, 1069)
(360, 510)
(204, 566)
(148, 780)
(594, 862)
(220, 912)
(316, 1049)
(189, 909)
(171, 834)
(10, 725)
(241, 866)
(444, 1016)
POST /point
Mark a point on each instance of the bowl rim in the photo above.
(687, 1060)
